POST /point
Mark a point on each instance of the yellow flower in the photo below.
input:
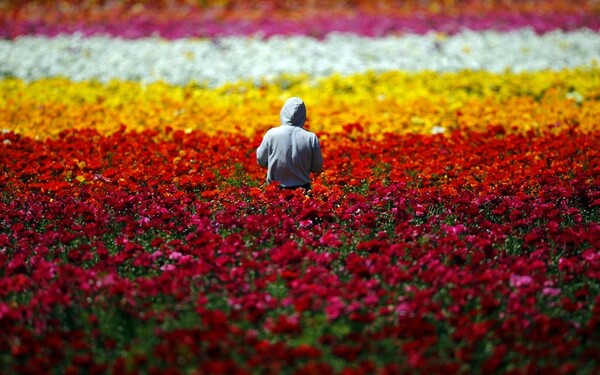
(380, 103)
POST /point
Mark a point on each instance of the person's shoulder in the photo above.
(305, 131)
(312, 134)
(311, 137)
(272, 131)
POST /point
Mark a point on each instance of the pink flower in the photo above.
(404, 307)
(175, 255)
(155, 255)
(335, 307)
(454, 229)
(306, 223)
(4, 309)
(591, 256)
(371, 300)
(185, 259)
(167, 267)
(550, 291)
(520, 281)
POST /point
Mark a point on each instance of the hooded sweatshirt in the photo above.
(290, 152)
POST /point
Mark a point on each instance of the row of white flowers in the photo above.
(214, 62)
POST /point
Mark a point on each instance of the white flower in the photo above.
(218, 61)
(438, 130)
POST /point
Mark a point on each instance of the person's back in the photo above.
(290, 152)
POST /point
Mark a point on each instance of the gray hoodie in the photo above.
(290, 152)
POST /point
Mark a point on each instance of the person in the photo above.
(289, 152)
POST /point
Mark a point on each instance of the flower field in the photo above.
(455, 228)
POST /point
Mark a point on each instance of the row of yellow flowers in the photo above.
(372, 103)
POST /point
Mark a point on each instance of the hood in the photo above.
(293, 112)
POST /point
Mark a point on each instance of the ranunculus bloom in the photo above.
(550, 291)
(519, 281)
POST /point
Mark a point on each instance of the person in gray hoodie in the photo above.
(290, 152)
